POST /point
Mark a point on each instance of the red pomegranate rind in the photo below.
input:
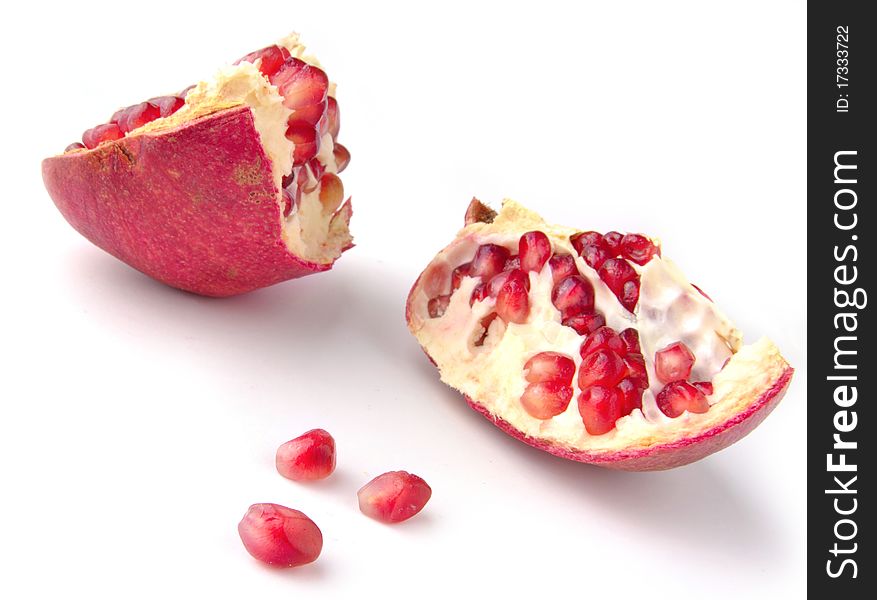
(279, 536)
(393, 497)
(309, 457)
(215, 232)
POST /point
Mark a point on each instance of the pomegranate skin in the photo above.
(194, 206)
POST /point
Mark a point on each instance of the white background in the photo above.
(138, 422)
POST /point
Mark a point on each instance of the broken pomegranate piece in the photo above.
(393, 497)
(280, 536)
(522, 317)
(225, 187)
(308, 457)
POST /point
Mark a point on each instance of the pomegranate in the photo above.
(393, 497)
(225, 187)
(280, 536)
(308, 457)
(608, 355)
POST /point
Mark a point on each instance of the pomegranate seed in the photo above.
(629, 294)
(616, 272)
(702, 293)
(600, 407)
(458, 274)
(638, 248)
(603, 368)
(333, 117)
(534, 248)
(287, 202)
(342, 157)
(308, 457)
(673, 363)
(305, 178)
(573, 296)
(393, 497)
(603, 337)
(512, 302)
(586, 238)
(595, 255)
(300, 84)
(705, 387)
(312, 114)
(632, 394)
(317, 168)
(612, 240)
(489, 261)
(272, 58)
(307, 144)
(562, 266)
(74, 146)
(480, 292)
(636, 369)
(550, 366)
(95, 136)
(679, 396)
(130, 118)
(546, 399)
(167, 105)
(438, 305)
(497, 282)
(280, 536)
(585, 324)
(331, 193)
(630, 337)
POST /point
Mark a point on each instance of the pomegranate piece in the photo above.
(512, 301)
(95, 136)
(585, 324)
(600, 407)
(638, 248)
(280, 536)
(546, 399)
(679, 396)
(673, 363)
(136, 116)
(488, 262)
(573, 296)
(601, 367)
(393, 497)
(534, 248)
(549, 366)
(271, 59)
(300, 84)
(308, 457)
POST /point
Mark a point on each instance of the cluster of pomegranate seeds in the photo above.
(612, 378)
(308, 457)
(673, 366)
(549, 390)
(609, 254)
(280, 536)
(128, 119)
(393, 497)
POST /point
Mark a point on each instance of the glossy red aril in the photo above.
(534, 249)
(602, 367)
(546, 399)
(167, 105)
(585, 324)
(616, 272)
(308, 457)
(393, 497)
(573, 296)
(136, 116)
(549, 366)
(512, 300)
(95, 136)
(562, 266)
(603, 337)
(673, 362)
(489, 261)
(638, 248)
(272, 58)
(280, 536)
(600, 407)
(679, 396)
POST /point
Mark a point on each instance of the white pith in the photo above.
(309, 232)
(669, 310)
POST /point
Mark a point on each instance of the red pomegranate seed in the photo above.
(534, 248)
(272, 57)
(480, 292)
(438, 305)
(573, 296)
(632, 394)
(638, 248)
(630, 337)
(342, 157)
(629, 294)
(512, 302)
(300, 84)
(679, 396)
(333, 117)
(102, 133)
(546, 399)
(706, 387)
(636, 369)
(280, 536)
(673, 363)
(74, 146)
(603, 337)
(307, 144)
(562, 266)
(312, 114)
(586, 238)
(600, 407)
(595, 255)
(130, 118)
(499, 280)
(308, 457)
(585, 324)
(612, 240)
(603, 367)
(167, 105)
(488, 262)
(458, 274)
(616, 272)
(331, 192)
(393, 497)
(550, 366)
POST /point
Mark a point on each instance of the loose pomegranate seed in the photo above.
(603, 337)
(331, 193)
(300, 84)
(600, 407)
(673, 363)
(679, 396)
(342, 157)
(489, 261)
(586, 238)
(102, 133)
(546, 399)
(613, 242)
(280, 536)
(333, 117)
(636, 369)
(550, 366)
(705, 387)
(307, 144)
(534, 248)
(130, 118)
(438, 305)
(393, 497)
(74, 146)
(272, 59)
(562, 266)
(308, 457)
(573, 296)
(512, 302)
(632, 394)
(603, 368)
(167, 105)
(585, 324)
(630, 337)
(595, 255)
(638, 248)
